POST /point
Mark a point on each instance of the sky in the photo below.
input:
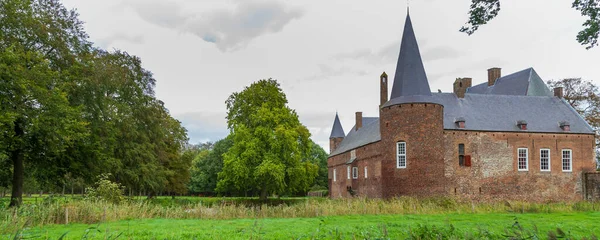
(326, 54)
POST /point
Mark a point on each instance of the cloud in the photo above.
(107, 41)
(204, 126)
(439, 53)
(229, 29)
(326, 71)
(385, 54)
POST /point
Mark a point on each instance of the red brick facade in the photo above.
(433, 169)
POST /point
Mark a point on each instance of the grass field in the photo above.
(426, 226)
(297, 218)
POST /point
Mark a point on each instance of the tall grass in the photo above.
(89, 212)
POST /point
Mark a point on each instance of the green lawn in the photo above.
(577, 225)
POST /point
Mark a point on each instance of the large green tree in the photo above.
(318, 156)
(482, 11)
(270, 152)
(39, 44)
(71, 111)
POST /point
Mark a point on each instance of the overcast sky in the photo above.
(326, 54)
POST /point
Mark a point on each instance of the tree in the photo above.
(270, 147)
(584, 97)
(482, 11)
(39, 42)
(318, 156)
(207, 165)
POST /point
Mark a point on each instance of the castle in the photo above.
(507, 138)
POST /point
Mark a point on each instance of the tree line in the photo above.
(71, 111)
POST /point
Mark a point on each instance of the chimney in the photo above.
(558, 92)
(493, 75)
(461, 85)
(358, 120)
(383, 89)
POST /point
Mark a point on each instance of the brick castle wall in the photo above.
(420, 125)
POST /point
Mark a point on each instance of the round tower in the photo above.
(412, 128)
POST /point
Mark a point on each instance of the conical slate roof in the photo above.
(337, 131)
(410, 78)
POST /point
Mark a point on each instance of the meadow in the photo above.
(298, 218)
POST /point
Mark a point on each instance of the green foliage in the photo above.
(69, 111)
(318, 156)
(270, 151)
(207, 165)
(105, 190)
(482, 11)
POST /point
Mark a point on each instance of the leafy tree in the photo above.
(207, 165)
(482, 11)
(318, 156)
(270, 147)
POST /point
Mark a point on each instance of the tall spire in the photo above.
(337, 131)
(410, 78)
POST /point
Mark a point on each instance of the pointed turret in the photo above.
(337, 131)
(337, 134)
(410, 78)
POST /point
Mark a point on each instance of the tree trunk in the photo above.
(263, 194)
(17, 156)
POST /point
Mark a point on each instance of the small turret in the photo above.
(337, 134)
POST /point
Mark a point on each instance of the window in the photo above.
(567, 160)
(334, 175)
(522, 159)
(365, 172)
(348, 172)
(401, 154)
(461, 154)
(354, 173)
(544, 160)
(353, 154)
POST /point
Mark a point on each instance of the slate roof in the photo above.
(484, 112)
(367, 134)
(410, 78)
(337, 130)
(525, 82)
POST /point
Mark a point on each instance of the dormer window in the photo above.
(460, 122)
(353, 155)
(565, 126)
(522, 124)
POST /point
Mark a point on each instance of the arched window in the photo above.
(401, 154)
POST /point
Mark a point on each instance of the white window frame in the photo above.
(348, 173)
(353, 154)
(526, 159)
(549, 160)
(355, 173)
(570, 160)
(334, 175)
(366, 172)
(399, 155)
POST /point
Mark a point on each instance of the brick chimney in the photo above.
(558, 92)
(383, 89)
(358, 120)
(461, 85)
(493, 75)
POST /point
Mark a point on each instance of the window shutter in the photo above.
(468, 160)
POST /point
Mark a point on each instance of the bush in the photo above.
(105, 190)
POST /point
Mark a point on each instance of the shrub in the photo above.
(105, 190)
